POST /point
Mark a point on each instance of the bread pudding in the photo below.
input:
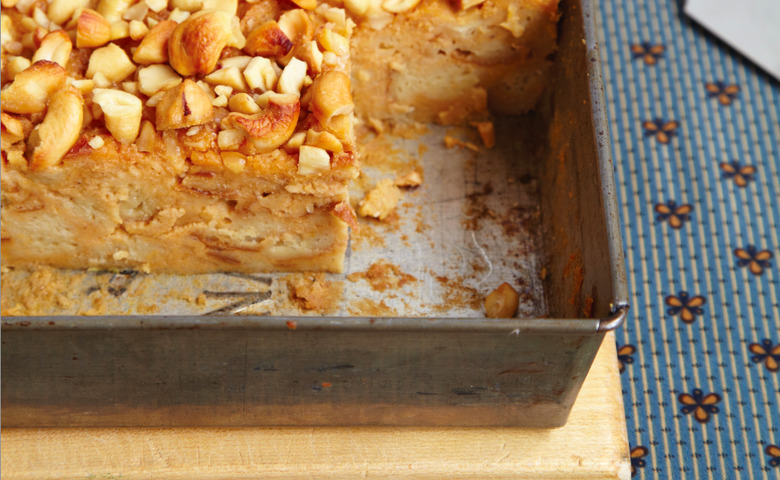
(194, 136)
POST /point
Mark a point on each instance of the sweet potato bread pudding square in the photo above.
(193, 136)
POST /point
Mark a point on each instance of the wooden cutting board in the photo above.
(592, 445)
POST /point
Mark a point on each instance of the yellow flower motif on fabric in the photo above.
(774, 455)
(702, 406)
(638, 455)
(756, 260)
(661, 130)
(767, 354)
(675, 214)
(685, 306)
(724, 93)
(741, 174)
(625, 356)
(647, 52)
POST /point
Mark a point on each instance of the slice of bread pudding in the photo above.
(192, 136)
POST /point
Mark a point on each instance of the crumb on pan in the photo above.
(487, 132)
(456, 293)
(380, 201)
(311, 291)
(26, 295)
(382, 275)
(452, 142)
(409, 179)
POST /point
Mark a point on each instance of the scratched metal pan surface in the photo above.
(538, 211)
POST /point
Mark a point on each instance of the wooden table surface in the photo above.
(592, 445)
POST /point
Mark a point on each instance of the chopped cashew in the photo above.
(112, 62)
(60, 129)
(122, 112)
(312, 160)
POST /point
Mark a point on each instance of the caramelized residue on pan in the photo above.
(365, 307)
(379, 151)
(382, 275)
(587, 309)
(367, 237)
(455, 293)
(573, 270)
(476, 209)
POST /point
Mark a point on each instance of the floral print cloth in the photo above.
(696, 141)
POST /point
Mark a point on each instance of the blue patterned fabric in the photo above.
(696, 141)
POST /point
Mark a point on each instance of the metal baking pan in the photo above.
(538, 211)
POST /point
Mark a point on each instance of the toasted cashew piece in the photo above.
(60, 129)
(243, 103)
(292, 77)
(156, 78)
(268, 40)
(306, 4)
(8, 32)
(15, 66)
(112, 10)
(260, 74)
(13, 129)
(324, 140)
(229, 6)
(330, 96)
(92, 30)
(112, 62)
(196, 44)
(55, 46)
(272, 127)
(296, 25)
(399, 6)
(183, 106)
(312, 160)
(357, 7)
(122, 112)
(154, 47)
(230, 76)
(60, 11)
(31, 88)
